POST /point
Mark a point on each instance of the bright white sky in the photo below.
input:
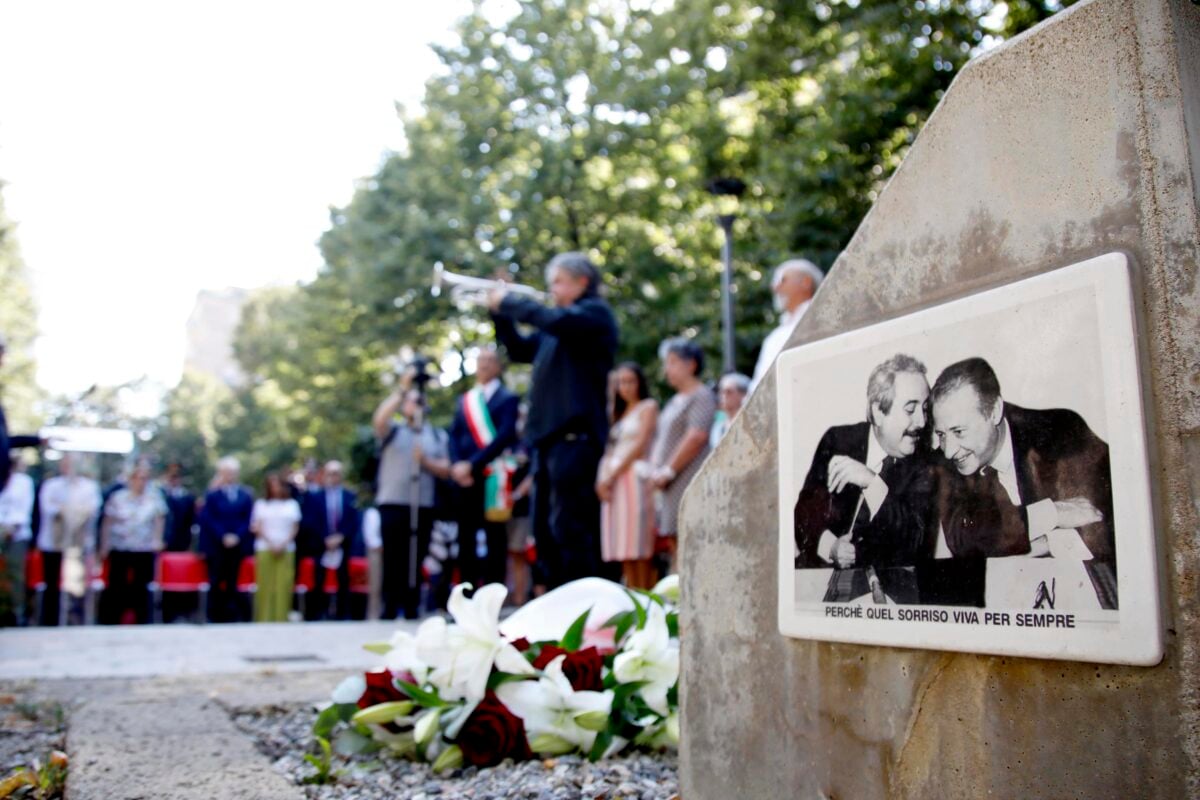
(154, 149)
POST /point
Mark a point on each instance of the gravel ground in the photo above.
(284, 736)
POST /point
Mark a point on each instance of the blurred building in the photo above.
(210, 329)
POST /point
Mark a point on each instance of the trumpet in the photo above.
(467, 289)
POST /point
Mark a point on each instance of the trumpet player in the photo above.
(571, 347)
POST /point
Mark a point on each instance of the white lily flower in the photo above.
(668, 588)
(549, 706)
(349, 690)
(650, 655)
(403, 656)
(462, 655)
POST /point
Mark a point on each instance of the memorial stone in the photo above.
(1079, 138)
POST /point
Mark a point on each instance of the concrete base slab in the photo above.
(143, 651)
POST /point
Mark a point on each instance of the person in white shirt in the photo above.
(16, 517)
(131, 536)
(70, 507)
(731, 393)
(794, 283)
(274, 521)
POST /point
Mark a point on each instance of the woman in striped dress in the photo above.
(627, 502)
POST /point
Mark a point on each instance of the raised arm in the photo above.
(520, 348)
(585, 319)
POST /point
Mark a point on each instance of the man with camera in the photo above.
(412, 456)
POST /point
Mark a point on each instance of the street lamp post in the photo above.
(727, 191)
(727, 362)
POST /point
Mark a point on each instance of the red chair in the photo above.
(35, 579)
(245, 580)
(177, 573)
(306, 581)
(360, 577)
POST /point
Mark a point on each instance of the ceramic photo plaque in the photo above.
(974, 477)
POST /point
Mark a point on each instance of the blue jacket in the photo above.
(504, 408)
(220, 516)
(315, 516)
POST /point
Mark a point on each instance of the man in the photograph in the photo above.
(867, 499)
(1014, 474)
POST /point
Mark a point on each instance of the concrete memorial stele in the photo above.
(912, 554)
(1077, 140)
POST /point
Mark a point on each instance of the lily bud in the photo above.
(383, 712)
(592, 720)
(667, 588)
(672, 728)
(378, 648)
(549, 744)
(427, 727)
(451, 758)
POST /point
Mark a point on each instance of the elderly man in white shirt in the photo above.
(16, 518)
(794, 283)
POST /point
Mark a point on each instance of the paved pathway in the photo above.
(142, 651)
(148, 707)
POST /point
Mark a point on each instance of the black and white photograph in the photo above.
(973, 477)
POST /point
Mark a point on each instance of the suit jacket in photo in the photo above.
(572, 351)
(902, 531)
(1056, 456)
(221, 515)
(504, 407)
(315, 514)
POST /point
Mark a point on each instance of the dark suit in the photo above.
(902, 530)
(327, 519)
(1056, 456)
(181, 505)
(7, 443)
(504, 408)
(219, 516)
(572, 353)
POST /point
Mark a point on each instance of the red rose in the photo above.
(583, 668)
(381, 688)
(491, 734)
(521, 644)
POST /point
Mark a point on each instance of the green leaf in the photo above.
(498, 678)
(353, 743)
(420, 696)
(603, 740)
(673, 624)
(623, 627)
(573, 638)
(328, 719)
(616, 619)
(638, 610)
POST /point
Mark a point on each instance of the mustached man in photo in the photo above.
(1013, 475)
(867, 499)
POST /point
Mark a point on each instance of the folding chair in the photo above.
(177, 573)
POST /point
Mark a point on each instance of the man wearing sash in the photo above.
(484, 427)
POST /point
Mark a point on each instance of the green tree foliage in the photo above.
(596, 125)
(18, 323)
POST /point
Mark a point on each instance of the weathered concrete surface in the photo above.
(1078, 138)
(143, 740)
(150, 650)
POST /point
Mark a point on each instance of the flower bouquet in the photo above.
(462, 693)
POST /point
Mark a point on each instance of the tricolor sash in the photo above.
(497, 490)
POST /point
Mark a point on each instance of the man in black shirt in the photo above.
(571, 349)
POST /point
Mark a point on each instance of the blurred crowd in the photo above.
(581, 477)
